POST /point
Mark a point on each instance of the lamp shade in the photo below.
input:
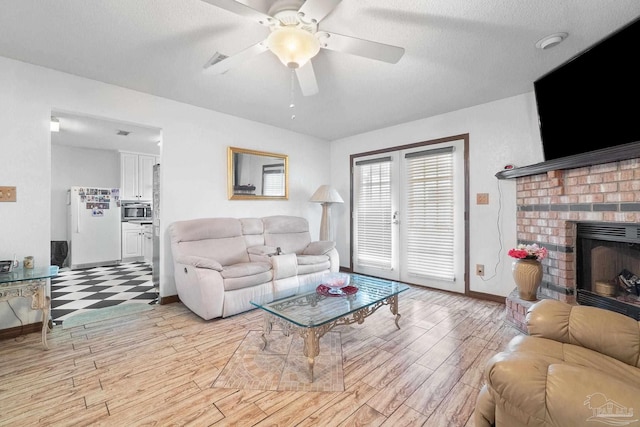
(293, 46)
(326, 194)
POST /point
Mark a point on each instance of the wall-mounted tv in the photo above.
(593, 100)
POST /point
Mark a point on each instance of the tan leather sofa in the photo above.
(579, 366)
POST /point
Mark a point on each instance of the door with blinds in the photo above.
(408, 215)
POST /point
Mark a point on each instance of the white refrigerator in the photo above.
(94, 227)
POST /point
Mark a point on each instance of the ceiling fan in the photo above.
(295, 38)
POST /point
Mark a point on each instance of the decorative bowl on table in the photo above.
(335, 282)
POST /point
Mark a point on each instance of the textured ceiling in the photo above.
(459, 53)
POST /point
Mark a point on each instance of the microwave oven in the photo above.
(136, 211)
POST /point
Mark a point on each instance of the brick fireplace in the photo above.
(550, 204)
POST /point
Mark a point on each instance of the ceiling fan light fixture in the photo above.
(293, 46)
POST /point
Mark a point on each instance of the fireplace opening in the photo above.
(608, 267)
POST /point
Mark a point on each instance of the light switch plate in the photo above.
(482, 198)
(7, 194)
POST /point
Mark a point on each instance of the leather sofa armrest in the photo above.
(320, 247)
(604, 331)
(198, 261)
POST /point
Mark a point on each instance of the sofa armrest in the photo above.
(198, 261)
(320, 247)
(604, 331)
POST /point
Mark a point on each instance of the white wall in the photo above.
(500, 133)
(193, 177)
(78, 166)
(193, 172)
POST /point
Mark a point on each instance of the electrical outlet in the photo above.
(7, 194)
(482, 198)
(479, 270)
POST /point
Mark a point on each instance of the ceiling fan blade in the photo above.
(219, 63)
(317, 9)
(242, 10)
(307, 79)
(360, 47)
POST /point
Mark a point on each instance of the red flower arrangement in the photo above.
(528, 252)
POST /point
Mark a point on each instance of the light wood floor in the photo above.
(156, 368)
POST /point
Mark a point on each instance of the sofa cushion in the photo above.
(533, 389)
(205, 228)
(587, 327)
(198, 261)
(253, 230)
(220, 239)
(312, 263)
(320, 247)
(226, 251)
(244, 269)
(289, 233)
(574, 355)
(234, 283)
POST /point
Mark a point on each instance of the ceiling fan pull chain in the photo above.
(292, 104)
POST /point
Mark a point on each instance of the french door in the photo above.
(408, 215)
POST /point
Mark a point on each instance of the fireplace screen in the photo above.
(608, 266)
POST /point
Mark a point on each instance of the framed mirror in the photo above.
(255, 174)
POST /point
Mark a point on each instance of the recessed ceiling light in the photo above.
(551, 40)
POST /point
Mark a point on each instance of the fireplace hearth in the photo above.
(608, 266)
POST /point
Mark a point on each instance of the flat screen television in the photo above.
(593, 100)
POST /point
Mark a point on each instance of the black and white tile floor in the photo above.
(75, 291)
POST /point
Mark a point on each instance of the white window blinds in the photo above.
(273, 180)
(429, 219)
(373, 213)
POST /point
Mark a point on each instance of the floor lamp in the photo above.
(326, 195)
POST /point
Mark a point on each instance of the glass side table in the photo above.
(31, 282)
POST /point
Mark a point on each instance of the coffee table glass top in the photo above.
(310, 308)
(24, 274)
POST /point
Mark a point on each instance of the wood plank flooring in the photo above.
(156, 368)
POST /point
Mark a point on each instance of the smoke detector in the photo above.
(551, 40)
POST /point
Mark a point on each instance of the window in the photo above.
(272, 180)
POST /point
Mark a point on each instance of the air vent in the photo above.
(217, 57)
(123, 132)
(629, 233)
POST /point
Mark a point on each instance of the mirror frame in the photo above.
(231, 151)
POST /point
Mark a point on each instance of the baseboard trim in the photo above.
(168, 299)
(488, 297)
(9, 333)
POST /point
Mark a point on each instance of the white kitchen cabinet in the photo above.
(132, 240)
(136, 176)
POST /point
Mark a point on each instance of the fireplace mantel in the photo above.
(605, 155)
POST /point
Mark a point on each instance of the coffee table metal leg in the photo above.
(311, 346)
(45, 322)
(393, 306)
(266, 330)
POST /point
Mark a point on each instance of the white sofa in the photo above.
(221, 264)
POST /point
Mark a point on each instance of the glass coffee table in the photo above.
(314, 310)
